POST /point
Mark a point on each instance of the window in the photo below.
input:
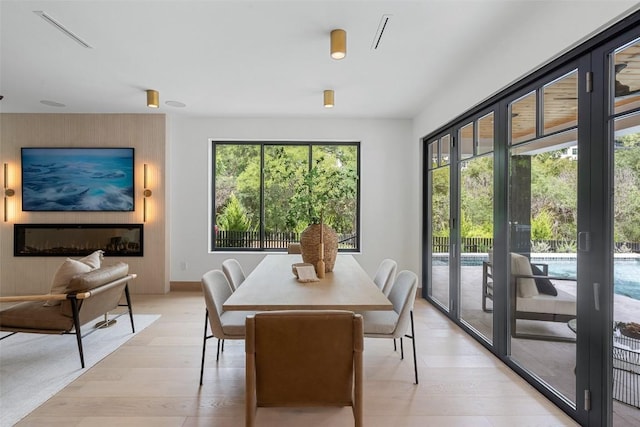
(262, 193)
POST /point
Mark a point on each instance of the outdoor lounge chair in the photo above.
(527, 302)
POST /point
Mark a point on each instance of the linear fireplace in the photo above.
(77, 239)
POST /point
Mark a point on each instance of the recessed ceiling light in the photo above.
(52, 103)
(176, 104)
(384, 21)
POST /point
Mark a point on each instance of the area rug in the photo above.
(35, 367)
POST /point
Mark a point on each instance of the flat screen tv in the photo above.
(77, 179)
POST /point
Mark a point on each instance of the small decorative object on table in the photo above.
(306, 273)
(320, 265)
(294, 267)
(317, 238)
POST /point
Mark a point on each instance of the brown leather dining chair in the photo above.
(304, 358)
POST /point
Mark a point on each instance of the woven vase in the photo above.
(310, 244)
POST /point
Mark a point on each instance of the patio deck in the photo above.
(553, 362)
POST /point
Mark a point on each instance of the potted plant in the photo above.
(313, 203)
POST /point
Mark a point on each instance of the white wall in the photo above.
(146, 133)
(503, 63)
(389, 186)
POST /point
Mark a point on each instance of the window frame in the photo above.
(267, 143)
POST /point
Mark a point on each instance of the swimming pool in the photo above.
(626, 271)
(626, 274)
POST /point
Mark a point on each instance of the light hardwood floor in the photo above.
(152, 380)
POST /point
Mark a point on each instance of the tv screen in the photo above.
(77, 179)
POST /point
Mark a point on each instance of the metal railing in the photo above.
(272, 240)
(483, 244)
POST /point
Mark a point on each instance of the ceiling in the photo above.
(251, 58)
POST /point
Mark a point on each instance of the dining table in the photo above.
(272, 285)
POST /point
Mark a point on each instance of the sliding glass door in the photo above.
(475, 169)
(624, 148)
(439, 195)
(532, 227)
(543, 281)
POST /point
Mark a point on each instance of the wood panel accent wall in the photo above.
(144, 132)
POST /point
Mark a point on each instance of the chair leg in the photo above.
(395, 348)
(76, 324)
(413, 341)
(401, 350)
(218, 352)
(128, 296)
(204, 343)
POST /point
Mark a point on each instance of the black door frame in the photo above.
(594, 341)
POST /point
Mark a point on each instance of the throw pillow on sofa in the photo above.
(69, 269)
(66, 271)
(93, 260)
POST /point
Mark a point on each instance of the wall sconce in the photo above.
(338, 44)
(8, 192)
(328, 98)
(146, 193)
(153, 98)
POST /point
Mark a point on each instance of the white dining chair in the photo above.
(225, 325)
(394, 323)
(385, 275)
(233, 271)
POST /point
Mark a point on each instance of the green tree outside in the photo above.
(284, 169)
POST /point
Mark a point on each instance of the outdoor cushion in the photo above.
(544, 285)
(520, 265)
(563, 303)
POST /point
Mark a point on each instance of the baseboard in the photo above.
(185, 286)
